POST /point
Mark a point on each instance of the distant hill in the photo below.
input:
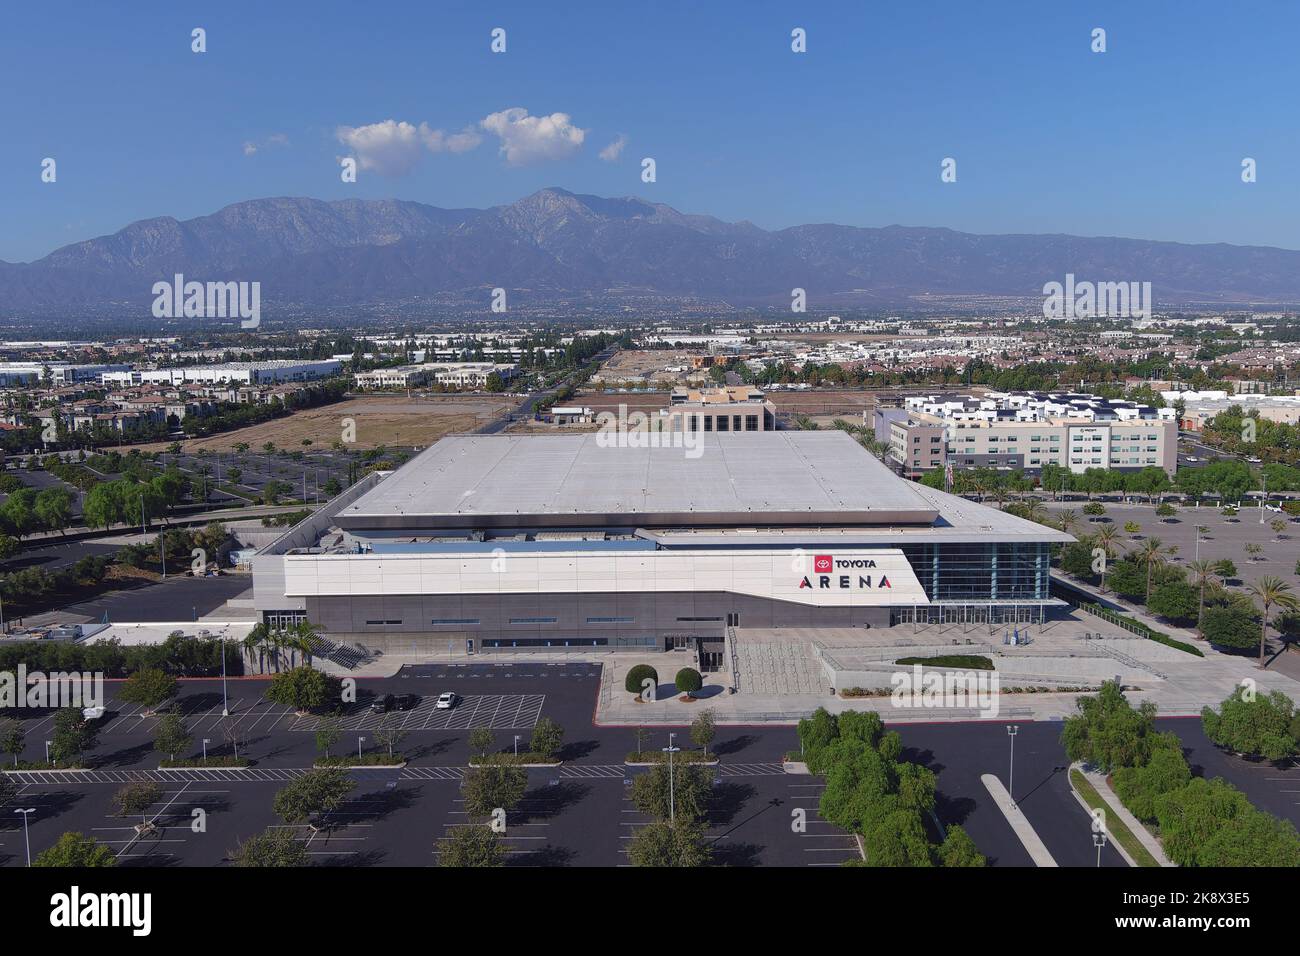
(556, 245)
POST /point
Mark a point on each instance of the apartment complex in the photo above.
(1024, 431)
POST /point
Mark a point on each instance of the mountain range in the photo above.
(557, 246)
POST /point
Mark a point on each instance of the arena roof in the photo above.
(773, 478)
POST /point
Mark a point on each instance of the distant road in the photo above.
(525, 408)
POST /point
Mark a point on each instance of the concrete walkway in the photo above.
(1024, 831)
(1115, 806)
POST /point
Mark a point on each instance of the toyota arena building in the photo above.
(535, 542)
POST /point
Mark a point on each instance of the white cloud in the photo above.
(439, 142)
(529, 139)
(614, 150)
(275, 139)
(393, 148)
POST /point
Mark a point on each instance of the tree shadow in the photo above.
(545, 802)
(736, 854)
(126, 756)
(578, 749)
(546, 856)
(728, 800)
(734, 745)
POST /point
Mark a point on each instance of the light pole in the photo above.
(1263, 494)
(225, 698)
(1099, 841)
(47, 751)
(206, 741)
(360, 740)
(26, 838)
(516, 745)
(672, 807)
(1012, 730)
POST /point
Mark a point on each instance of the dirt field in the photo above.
(379, 420)
(650, 366)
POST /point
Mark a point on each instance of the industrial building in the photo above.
(553, 541)
(736, 408)
(272, 371)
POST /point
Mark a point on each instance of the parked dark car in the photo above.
(383, 704)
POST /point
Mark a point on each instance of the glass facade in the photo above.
(996, 571)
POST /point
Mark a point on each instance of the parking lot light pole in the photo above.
(672, 807)
(206, 741)
(26, 838)
(1012, 730)
(516, 745)
(360, 740)
(1099, 841)
(225, 699)
(47, 751)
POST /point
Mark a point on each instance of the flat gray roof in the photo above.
(769, 478)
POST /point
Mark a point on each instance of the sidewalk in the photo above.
(1139, 830)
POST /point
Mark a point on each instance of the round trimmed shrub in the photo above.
(688, 680)
(636, 677)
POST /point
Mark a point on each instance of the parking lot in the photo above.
(577, 813)
(1223, 537)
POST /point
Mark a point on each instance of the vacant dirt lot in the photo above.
(395, 420)
(650, 365)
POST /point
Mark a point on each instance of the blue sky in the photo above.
(1145, 140)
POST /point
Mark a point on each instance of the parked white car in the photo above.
(92, 713)
(446, 701)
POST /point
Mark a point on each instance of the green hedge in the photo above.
(971, 661)
(366, 760)
(1140, 628)
(225, 760)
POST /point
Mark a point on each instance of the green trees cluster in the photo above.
(27, 510)
(305, 689)
(679, 802)
(871, 791)
(179, 655)
(76, 850)
(33, 588)
(1201, 822)
(129, 501)
(1247, 722)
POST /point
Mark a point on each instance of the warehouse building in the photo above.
(506, 541)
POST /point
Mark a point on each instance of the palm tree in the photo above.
(1034, 510)
(1068, 519)
(255, 643)
(1271, 592)
(301, 638)
(1202, 571)
(1152, 554)
(1105, 539)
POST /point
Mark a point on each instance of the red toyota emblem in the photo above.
(822, 564)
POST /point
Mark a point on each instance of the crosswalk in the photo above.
(281, 774)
